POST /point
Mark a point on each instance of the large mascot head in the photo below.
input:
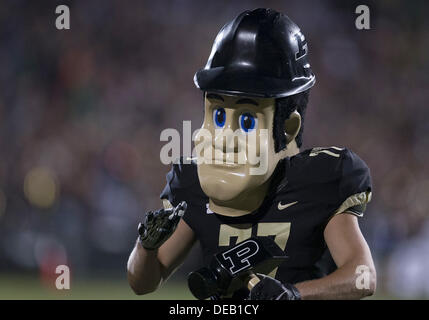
(256, 84)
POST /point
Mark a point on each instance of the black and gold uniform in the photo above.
(306, 191)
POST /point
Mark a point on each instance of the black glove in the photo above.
(158, 226)
(272, 289)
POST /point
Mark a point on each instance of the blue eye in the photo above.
(248, 122)
(219, 117)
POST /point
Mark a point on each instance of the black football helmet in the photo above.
(261, 53)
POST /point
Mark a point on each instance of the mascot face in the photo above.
(259, 53)
(235, 152)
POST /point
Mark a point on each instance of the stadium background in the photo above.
(81, 113)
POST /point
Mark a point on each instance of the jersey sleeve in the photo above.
(183, 185)
(355, 186)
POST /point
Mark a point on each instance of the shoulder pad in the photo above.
(337, 171)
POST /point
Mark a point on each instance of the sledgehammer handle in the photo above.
(253, 280)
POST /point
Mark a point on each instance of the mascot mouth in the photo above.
(230, 160)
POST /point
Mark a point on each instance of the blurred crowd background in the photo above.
(81, 112)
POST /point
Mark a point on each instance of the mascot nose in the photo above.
(226, 141)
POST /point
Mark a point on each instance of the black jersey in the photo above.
(307, 190)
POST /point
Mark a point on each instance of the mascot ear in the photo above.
(292, 126)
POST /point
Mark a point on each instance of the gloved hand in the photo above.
(271, 289)
(158, 226)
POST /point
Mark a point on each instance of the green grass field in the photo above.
(31, 288)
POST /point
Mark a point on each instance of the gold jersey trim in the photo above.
(356, 200)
